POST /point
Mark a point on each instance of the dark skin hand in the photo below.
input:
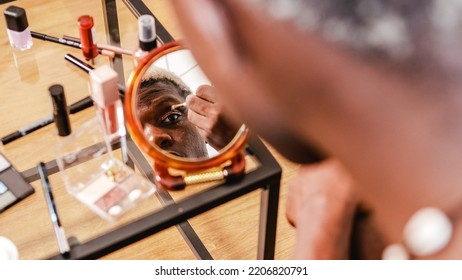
(321, 203)
(206, 112)
(331, 221)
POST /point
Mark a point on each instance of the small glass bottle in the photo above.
(18, 28)
(147, 38)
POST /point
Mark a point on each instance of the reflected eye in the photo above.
(172, 117)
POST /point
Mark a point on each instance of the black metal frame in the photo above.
(111, 20)
(267, 177)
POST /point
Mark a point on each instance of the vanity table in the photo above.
(25, 80)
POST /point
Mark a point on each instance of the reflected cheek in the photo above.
(148, 134)
(191, 131)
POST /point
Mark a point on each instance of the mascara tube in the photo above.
(60, 110)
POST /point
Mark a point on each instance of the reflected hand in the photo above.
(207, 114)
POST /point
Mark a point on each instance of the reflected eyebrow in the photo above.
(157, 105)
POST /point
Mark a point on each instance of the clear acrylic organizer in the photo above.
(93, 174)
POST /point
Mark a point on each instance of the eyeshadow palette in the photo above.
(13, 186)
(115, 190)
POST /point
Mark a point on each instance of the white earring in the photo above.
(395, 251)
(427, 232)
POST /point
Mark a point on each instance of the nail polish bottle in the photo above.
(18, 28)
(147, 38)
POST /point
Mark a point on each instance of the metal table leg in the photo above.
(268, 220)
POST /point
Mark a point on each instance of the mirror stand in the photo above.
(232, 171)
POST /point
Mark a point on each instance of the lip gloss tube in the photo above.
(88, 37)
(105, 94)
(18, 28)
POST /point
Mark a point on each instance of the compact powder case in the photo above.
(13, 186)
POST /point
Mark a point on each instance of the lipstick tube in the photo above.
(88, 37)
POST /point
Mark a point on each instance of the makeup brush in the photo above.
(176, 106)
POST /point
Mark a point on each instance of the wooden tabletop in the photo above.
(25, 77)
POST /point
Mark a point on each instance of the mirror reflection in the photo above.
(178, 108)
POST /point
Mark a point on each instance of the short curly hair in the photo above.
(154, 81)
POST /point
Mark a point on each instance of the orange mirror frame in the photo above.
(229, 164)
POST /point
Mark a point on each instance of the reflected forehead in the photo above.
(159, 93)
(166, 97)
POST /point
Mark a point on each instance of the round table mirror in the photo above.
(169, 107)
